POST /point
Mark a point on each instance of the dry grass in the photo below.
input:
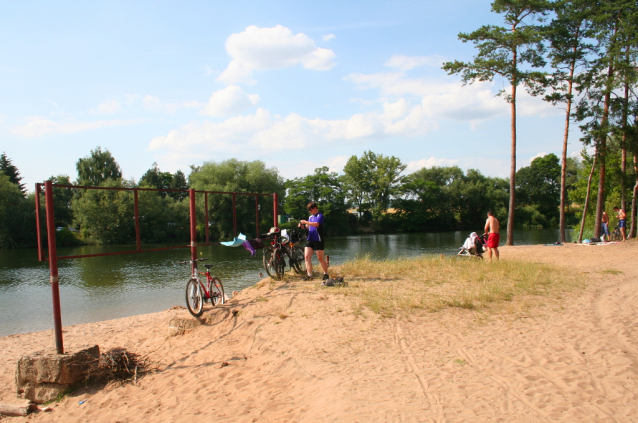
(117, 364)
(433, 283)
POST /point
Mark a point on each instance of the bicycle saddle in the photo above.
(208, 266)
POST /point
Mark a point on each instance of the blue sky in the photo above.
(296, 84)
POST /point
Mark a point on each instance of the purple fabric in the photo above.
(247, 245)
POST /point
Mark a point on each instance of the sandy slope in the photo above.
(305, 356)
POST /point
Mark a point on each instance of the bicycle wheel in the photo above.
(217, 292)
(271, 264)
(280, 262)
(194, 300)
(615, 235)
(298, 260)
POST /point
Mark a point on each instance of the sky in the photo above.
(298, 85)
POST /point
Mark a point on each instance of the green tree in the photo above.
(568, 35)
(425, 201)
(17, 216)
(233, 175)
(62, 198)
(7, 167)
(97, 168)
(106, 216)
(539, 185)
(325, 188)
(376, 178)
(613, 23)
(155, 178)
(474, 195)
(503, 52)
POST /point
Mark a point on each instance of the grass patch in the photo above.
(611, 272)
(433, 283)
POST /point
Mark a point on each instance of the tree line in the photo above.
(578, 54)
(581, 55)
(372, 195)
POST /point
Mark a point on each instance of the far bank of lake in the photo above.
(103, 288)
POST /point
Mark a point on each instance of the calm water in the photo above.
(102, 288)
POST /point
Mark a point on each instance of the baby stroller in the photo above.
(473, 246)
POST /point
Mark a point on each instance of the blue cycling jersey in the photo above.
(315, 233)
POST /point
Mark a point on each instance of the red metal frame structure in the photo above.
(50, 227)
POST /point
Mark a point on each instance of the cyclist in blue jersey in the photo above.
(315, 243)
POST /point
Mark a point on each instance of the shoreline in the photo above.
(300, 352)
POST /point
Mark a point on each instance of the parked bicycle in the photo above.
(297, 259)
(615, 235)
(197, 293)
(275, 254)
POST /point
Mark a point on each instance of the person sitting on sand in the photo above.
(604, 227)
(492, 226)
(622, 222)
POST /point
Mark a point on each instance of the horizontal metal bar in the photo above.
(134, 251)
(153, 189)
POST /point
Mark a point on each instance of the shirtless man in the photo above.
(491, 226)
(604, 226)
(622, 222)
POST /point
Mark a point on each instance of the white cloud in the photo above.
(107, 107)
(410, 62)
(431, 162)
(271, 48)
(328, 37)
(264, 132)
(443, 99)
(300, 168)
(154, 103)
(39, 126)
(229, 101)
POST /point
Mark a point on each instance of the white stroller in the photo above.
(473, 246)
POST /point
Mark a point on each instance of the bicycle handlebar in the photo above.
(192, 261)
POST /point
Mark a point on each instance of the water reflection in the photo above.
(108, 287)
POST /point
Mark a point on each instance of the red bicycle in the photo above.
(197, 293)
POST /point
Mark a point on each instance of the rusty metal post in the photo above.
(53, 267)
(38, 226)
(234, 216)
(193, 215)
(138, 239)
(206, 217)
(275, 209)
(256, 216)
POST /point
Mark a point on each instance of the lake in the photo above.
(103, 288)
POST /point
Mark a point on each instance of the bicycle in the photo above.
(275, 255)
(296, 253)
(197, 294)
(615, 235)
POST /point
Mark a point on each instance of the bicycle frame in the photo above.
(210, 280)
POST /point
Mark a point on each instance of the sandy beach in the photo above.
(298, 352)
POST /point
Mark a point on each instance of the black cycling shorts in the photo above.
(315, 245)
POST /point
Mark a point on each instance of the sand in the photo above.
(280, 353)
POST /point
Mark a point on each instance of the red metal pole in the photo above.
(38, 228)
(138, 239)
(206, 217)
(275, 209)
(257, 216)
(234, 216)
(191, 192)
(53, 267)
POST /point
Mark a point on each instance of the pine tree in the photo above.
(12, 172)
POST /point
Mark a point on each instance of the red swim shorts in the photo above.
(493, 240)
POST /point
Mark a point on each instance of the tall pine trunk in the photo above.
(602, 151)
(634, 200)
(582, 222)
(563, 170)
(510, 215)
